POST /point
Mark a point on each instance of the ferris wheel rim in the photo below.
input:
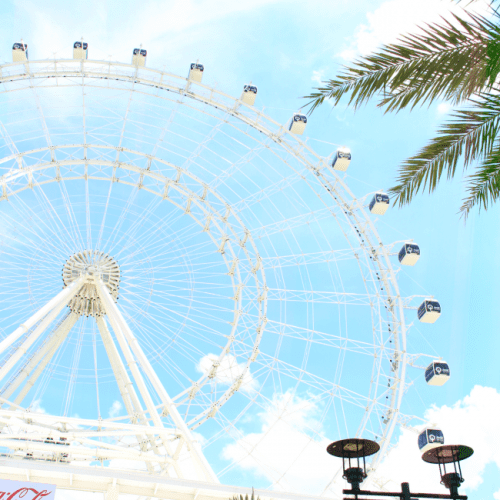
(281, 137)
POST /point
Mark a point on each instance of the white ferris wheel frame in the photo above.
(214, 214)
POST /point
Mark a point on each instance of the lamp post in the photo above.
(449, 454)
(354, 451)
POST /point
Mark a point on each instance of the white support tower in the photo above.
(156, 435)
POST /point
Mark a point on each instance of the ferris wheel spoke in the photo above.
(289, 224)
(311, 336)
(164, 131)
(189, 328)
(323, 387)
(127, 239)
(18, 255)
(203, 288)
(168, 257)
(305, 259)
(177, 276)
(270, 190)
(207, 312)
(10, 143)
(202, 291)
(159, 243)
(172, 367)
(73, 231)
(104, 215)
(121, 219)
(124, 121)
(87, 212)
(158, 252)
(326, 297)
(174, 313)
(22, 223)
(203, 144)
(42, 120)
(70, 386)
(186, 350)
(237, 165)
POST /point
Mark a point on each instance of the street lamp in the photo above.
(449, 454)
(351, 450)
(354, 451)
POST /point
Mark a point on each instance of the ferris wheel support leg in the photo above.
(22, 329)
(43, 356)
(57, 306)
(110, 308)
(196, 454)
(62, 333)
(125, 386)
(11, 387)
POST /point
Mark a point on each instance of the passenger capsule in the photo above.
(80, 50)
(429, 311)
(20, 52)
(409, 254)
(139, 57)
(249, 94)
(379, 204)
(437, 373)
(341, 159)
(430, 438)
(196, 72)
(298, 124)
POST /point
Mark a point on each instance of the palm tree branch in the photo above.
(433, 64)
(471, 132)
(484, 185)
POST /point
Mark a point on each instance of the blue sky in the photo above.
(285, 48)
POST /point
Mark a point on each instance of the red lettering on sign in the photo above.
(22, 492)
(42, 494)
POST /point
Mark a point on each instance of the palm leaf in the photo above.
(484, 186)
(235, 497)
(472, 132)
(445, 61)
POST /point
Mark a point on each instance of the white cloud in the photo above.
(318, 76)
(115, 409)
(283, 449)
(36, 407)
(398, 17)
(472, 421)
(112, 31)
(228, 371)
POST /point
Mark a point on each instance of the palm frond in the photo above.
(445, 61)
(235, 497)
(472, 132)
(468, 2)
(484, 185)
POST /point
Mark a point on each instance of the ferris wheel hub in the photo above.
(93, 265)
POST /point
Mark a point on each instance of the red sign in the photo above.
(25, 490)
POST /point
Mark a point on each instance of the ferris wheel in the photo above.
(182, 276)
